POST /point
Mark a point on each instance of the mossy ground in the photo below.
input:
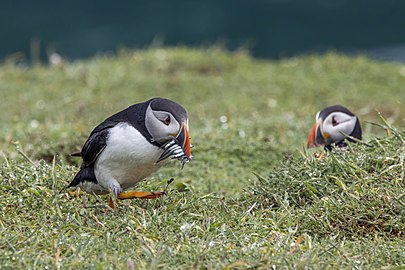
(252, 197)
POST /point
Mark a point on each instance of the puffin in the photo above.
(130, 145)
(334, 125)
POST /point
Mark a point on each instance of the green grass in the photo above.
(252, 197)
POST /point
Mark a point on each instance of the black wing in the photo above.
(92, 148)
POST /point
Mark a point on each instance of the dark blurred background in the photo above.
(268, 29)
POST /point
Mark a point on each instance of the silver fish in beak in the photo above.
(175, 151)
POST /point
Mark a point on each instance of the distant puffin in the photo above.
(332, 126)
(130, 145)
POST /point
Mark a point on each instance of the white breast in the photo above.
(127, 159)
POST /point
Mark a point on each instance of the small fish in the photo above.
(175, 151)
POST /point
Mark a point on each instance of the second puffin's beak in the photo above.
(316, 137)
(184, 140)
(311, 137)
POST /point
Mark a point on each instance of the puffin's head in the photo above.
(333, 124)
(166, 120)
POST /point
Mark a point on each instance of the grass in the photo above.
(253, 197)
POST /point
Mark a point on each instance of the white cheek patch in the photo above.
(339, 124)
(156, 128)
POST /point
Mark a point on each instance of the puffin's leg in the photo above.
(133, 195)
(143, 194)
(112, 201)
(140, 195)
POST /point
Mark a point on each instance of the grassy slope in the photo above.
(299, 212)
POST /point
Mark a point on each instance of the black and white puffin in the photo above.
(130, 145)
(333, 125)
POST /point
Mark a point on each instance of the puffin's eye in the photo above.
(334, 122)
(166, 121)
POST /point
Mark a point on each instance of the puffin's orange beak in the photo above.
(315, 138)
(311, 137)
(186, 143)
(184, 139)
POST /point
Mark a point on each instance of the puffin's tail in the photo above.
(76, 154)
(85, 174)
